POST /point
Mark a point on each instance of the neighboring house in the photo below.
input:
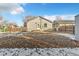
(12, 27)
(37, 23)
(64, 25)
(77, 27)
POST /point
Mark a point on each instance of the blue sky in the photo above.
(18, 11)
(52, 8)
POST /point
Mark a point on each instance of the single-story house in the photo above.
(32, 23)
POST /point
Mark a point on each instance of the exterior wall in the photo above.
(67, 27)
(37, 24)
(31, 25)
(13, 28)
(49, 25)
(77, 27)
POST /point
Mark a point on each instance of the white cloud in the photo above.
(13, 8)
(17, 10)
(52, 18)
(63, 17)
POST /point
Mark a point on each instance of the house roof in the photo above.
(33, 17)
(65, 21)
(46, 19)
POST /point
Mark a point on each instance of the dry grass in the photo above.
(37, 40)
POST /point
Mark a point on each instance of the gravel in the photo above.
(39, 51)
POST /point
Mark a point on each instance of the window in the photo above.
(45, 24)
(38, 26)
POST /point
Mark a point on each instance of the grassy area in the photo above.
(37, 40)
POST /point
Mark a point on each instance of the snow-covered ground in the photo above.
(71, 36)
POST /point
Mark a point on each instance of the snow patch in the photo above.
(71, 36)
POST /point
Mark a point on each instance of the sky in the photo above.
(15, 12)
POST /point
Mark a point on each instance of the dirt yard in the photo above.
(36, 40)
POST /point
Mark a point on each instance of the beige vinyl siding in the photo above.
(38, 23)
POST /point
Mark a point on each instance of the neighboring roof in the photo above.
(65, 21)
(14, 24)
(77, 15)
(33, 17)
